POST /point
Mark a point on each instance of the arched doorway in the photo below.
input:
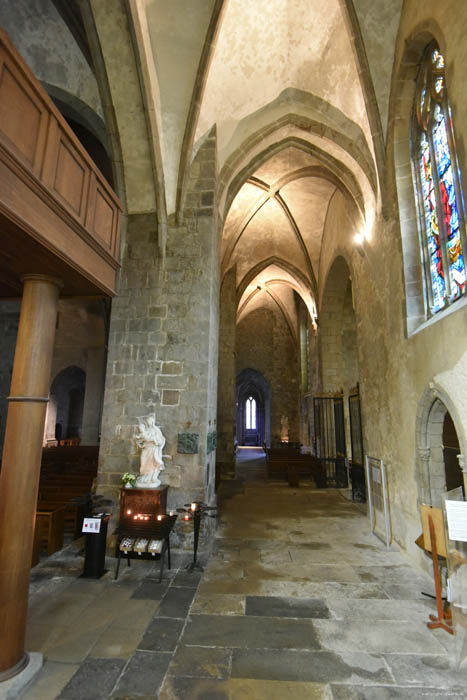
(65, 412)
(252, 409)
(438, 453)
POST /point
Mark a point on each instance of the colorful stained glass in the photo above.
(431, 226)
(449, 204)
(442, 213)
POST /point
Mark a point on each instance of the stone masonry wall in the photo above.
(9, 321)
(163, 345)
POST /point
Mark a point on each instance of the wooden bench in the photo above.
(296, 467)
(48, 531)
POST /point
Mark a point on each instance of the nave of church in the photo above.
(297, 599)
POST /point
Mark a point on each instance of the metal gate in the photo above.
(330, 438)
(357, 472)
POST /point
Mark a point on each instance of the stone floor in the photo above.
(297, 599)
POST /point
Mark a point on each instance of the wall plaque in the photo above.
(188, 443)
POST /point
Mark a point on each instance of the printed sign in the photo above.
(456, 512)
(91, 525)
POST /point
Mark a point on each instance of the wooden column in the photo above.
(22, 451)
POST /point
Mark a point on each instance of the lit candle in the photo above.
(171, 512)
(193, 507)
(159, 517)
(128, 512)
(187, 517)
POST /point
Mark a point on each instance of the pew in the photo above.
(49, 529)
(293, 466)
(64, 496)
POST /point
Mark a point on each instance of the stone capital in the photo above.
(462, 463)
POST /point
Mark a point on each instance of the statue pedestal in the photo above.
(143, 501)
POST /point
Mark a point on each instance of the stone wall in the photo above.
(163, 345)
(9, 321)
(264, 343)
(49, 48)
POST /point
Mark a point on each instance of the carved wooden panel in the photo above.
(23, 117)
(104, 219)
(50, 188)
(71, 176)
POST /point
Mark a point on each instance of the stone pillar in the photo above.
(463, 466)
(424, 455)
(22, 451)
(95, 368)
(226, 381)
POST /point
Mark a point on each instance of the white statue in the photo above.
(151, 441)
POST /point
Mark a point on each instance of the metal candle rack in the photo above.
(195, 511)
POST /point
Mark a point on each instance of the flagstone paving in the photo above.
(298, 600)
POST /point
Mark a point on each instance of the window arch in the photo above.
(250, 413)
(437, 185)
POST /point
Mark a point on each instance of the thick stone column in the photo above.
(19, 478)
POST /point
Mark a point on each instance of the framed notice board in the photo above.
(378, 506)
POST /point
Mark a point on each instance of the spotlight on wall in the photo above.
(359, 241)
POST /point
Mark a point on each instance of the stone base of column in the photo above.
(27, 669)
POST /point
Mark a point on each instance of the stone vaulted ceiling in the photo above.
(288, 87)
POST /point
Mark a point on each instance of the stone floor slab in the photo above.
(422, 669)
(345, 692)
(250, 633)
(151, 589)
(402, 610)
(378, 637)
(117, 642)
(317, 667)
(68, 646)
(279, 606)
(241, 689)
(218, 605)
(94, 680)
(143, 675)
(162, 634)
(176, 602)
(201, 662)
(136, 613)
(187, 579)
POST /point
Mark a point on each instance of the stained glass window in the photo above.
(438, 186)
(250, 422)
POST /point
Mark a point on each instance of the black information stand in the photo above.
(195, 511)
(94, 553)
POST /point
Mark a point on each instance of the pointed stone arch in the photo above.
(233, 175)
(284, 265)
(435, 403)
(400, 118)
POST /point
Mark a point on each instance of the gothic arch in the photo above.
(284, 265)
(233, 175)
(400, 119)
(429, 466)
(253, 382)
